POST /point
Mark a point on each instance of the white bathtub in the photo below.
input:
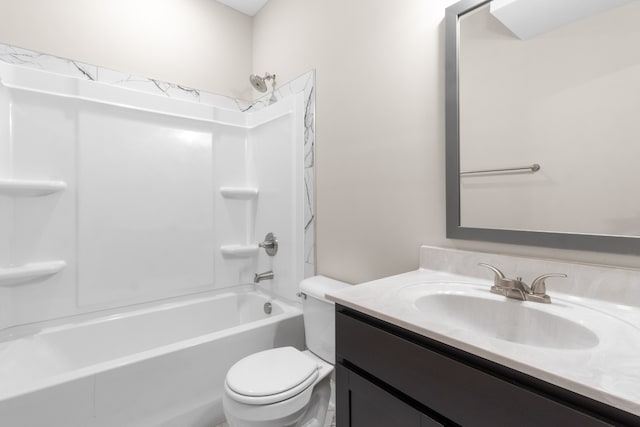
(161, 365)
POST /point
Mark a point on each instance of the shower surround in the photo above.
(120, 194)
(29, 155)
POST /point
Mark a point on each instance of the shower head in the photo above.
(259, 83)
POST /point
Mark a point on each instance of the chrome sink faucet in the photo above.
(517, 289)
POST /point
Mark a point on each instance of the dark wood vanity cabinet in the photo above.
(372, 406)
(387, 376)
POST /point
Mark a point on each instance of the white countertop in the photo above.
(608, 372)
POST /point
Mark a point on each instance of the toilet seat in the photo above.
(271, 376)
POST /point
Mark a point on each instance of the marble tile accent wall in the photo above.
(617, 285)
(305, 83)
(68, 67)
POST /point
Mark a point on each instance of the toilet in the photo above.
(286, 387)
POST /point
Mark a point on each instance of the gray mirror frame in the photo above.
(587, 242)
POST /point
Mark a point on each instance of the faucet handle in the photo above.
(270, 244)
(538, 287)
(499, 277)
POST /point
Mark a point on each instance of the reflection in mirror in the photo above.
(551, 86)
(567, 99)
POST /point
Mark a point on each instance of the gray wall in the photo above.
(380, 102)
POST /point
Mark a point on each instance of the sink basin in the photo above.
(481, 313)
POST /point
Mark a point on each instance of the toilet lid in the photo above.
(270, 372)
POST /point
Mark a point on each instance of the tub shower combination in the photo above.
(133, 221)
(161, 365)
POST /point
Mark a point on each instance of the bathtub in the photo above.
(158, 365)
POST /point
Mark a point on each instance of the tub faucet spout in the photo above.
(267, 275)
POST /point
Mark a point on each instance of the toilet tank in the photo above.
(319, 316)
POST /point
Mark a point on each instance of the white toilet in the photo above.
(286, 387)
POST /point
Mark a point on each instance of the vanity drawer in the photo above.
(458, 391)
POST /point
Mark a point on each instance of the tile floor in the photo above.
(331, 420)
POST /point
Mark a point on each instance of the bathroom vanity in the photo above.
(388, 376)
(402, 362)
(435, 346)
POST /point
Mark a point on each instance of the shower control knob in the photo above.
(270, 244)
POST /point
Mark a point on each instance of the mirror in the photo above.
(542, 123)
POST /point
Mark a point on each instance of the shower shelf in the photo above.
(239, 251)
(30, 188)
(13, 275)
(239, 193)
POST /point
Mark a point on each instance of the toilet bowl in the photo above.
(260, 397)
(286, 387)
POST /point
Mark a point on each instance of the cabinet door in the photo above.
(363, 404)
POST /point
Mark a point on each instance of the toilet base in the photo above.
(302, 410)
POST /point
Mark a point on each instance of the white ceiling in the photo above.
(248, 7)
(528, 18)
